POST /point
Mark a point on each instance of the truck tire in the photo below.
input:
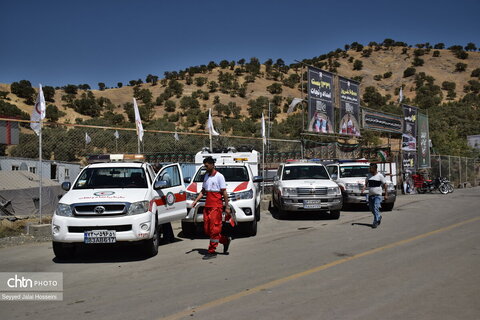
(188, 229)
(257, 212)
(250, 228)
(387, 206)
(151, 245)
(63, 251)
(335, 214)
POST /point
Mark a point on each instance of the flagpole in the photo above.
(210, 137)
(40, 172)
(263, 167)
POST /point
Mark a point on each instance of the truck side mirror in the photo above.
(187, 180)
(258, 179)
(161, 184)
(66, 186)
(334, 176)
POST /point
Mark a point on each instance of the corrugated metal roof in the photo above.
(12, 180)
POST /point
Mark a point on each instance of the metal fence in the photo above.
(74, 142)
(461, 171)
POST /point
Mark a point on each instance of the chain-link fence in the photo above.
(461, 171)
(74, 142)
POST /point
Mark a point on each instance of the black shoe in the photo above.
(379, 220)
(227, 245)
(375, 224)
(209, 256)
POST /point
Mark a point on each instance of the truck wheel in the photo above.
(257, 213)
(250, 228)
(151, 245)
(188, 229)
(387, 206)
(63, 251)
(335, 214)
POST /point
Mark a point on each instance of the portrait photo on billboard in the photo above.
(320, 116)
(349, 119)
(409, 142)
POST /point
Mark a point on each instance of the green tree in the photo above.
(460, 67)
(119, 84)
(476, 73)
(257, 106)
(53, 114)
(417, 62)
(275, 88)
(189, 103)
(470, 47)
(409, 72)
(357, 65)
(49, 93)
(101, 86)
(436, 53)
(212, 86)
(23, 89)
(70, 89)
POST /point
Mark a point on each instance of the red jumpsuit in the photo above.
(212, 213)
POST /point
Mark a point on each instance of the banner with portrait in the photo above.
(320, 101)
(349, 107)
(423, 142)
(409, 137)
(409, 162)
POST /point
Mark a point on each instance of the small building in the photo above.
(51, 169)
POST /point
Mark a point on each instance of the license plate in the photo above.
(100, 236)
(312, 204)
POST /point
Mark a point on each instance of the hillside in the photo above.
(382, 67)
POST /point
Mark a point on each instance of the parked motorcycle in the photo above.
(441, 184)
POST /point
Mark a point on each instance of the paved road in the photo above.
(423, 262)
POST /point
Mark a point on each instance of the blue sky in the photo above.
(75, 42)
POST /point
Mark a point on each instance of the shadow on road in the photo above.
(362, 224)
(300, 215)
(108, 253)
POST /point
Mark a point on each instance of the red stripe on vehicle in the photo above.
(192, 187)
(241, 186)
(161, 201)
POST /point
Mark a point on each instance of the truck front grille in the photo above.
(100, 209)
(311, 191)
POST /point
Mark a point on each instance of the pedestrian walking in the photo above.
(215, 188)
(374, 182)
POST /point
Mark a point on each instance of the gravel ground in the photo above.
(21, 239)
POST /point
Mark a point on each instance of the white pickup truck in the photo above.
(240, 170)
(350, 177)
(305, 186)
(118, 202)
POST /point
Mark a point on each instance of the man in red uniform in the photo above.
(215, 188)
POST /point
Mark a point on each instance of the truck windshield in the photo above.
(304, 172)
(353, 172)
(96, 178)
(231, 174)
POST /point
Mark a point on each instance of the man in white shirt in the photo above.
(215, 188)
(374, 182)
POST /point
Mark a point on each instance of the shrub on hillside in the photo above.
(409, 72)
(357, 65)
(460, 67)
(475, 73)
(436, 54)
(417, 62)
(275, 88)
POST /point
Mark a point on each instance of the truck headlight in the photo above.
(64, 210)
(334, 191)
(289, 191)
(351, 186)
(138, 207)
(243, 195)
(192, 196)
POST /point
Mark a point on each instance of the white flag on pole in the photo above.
(176, 136)
(38, 113)
(87, 138)
(295, 101)
(263, 130)
(210, 127)
(116, 134)
(138, 120)
(400, 95)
